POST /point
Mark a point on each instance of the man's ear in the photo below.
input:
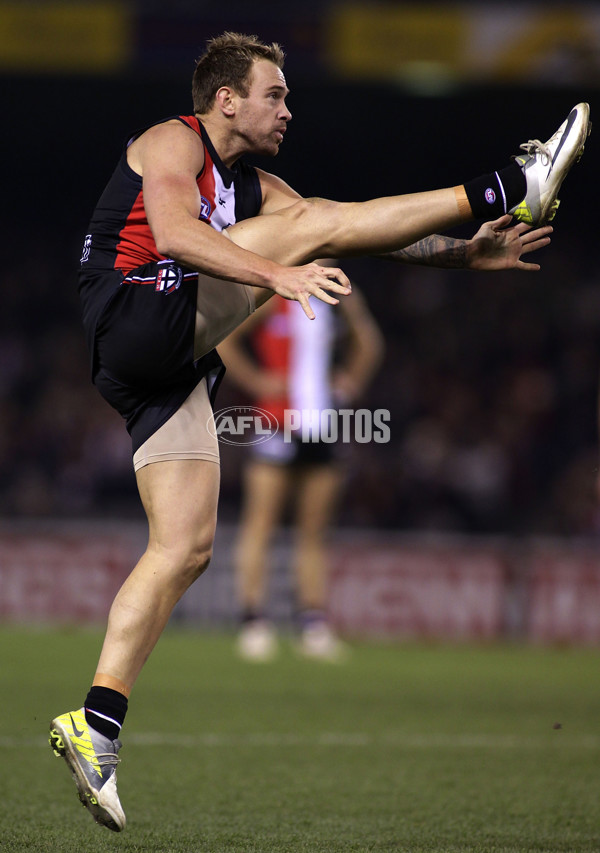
(225, 100)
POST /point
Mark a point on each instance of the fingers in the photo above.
(302, 298)
(502, 222)
(325, 297)
(521, 265)
(331, 279)
(534, 245)
(526, 233)
(325, 283)
(335, 280)
(520, 228)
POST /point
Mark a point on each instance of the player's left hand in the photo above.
(498, 245)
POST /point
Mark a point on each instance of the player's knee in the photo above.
(197, 559)
(324, 219)
(185, 561)
(315, 208)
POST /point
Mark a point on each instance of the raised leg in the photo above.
(318, 228)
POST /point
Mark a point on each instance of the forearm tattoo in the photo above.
(433, 251)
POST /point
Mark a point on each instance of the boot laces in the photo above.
(105, 759)
(534, 146)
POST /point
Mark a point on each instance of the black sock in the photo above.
(105, 711)
(492, 195)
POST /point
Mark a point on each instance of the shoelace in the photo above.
(532, 146)
(105, 758)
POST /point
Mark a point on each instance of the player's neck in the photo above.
(228, 145)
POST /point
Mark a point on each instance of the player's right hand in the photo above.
(300, 283)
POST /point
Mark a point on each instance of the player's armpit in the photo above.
(276, 194)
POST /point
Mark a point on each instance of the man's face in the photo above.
(261, 118)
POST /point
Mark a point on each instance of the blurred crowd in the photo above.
(491, 382)
(63, 451)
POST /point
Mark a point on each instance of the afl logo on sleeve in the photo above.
(205, 209)
(168, 279)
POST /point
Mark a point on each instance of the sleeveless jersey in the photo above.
(301, 351)
(120, 239)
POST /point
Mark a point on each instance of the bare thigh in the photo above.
(291, 237)
(180, 498)
(221, 306)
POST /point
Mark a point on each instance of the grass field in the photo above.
(402, 748)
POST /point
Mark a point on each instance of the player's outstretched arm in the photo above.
(497, 245)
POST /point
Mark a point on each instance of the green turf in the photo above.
(403, 748)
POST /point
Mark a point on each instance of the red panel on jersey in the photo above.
(136, 244)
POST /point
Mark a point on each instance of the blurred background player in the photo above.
(284, 363)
